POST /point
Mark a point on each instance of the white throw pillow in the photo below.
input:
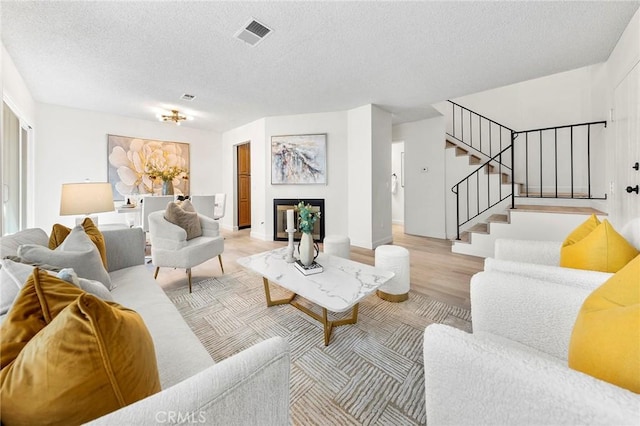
(90, 286)
(77, 251)
(13, 275)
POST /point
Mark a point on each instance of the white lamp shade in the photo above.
(86, 198)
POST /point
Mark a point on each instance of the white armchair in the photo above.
(170, 247)
(513, 368)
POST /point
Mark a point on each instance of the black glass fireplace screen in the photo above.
(280, 207)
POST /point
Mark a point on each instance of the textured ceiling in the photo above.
(136, 58)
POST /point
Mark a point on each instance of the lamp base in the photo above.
(81, 219)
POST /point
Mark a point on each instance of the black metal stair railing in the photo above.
(477, 132)
(474, 208)
(540, 163)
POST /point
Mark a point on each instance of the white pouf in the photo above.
(396, 260)
(337, 245)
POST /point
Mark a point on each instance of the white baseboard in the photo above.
(259, 236)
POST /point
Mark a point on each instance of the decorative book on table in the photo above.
(314, 268)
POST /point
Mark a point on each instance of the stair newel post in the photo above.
(513, 170)
(457, 212)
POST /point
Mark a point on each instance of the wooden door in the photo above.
(244, 185)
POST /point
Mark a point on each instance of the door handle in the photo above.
(636, 166)
(631, 189)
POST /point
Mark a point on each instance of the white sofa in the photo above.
(513, 368)
(251, 387)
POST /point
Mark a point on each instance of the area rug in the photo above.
(371, 372)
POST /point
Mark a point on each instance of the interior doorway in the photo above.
(397, 183)
(15, 136)
(243, 167)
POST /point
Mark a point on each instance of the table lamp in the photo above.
(86, 198)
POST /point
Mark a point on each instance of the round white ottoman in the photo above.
(337, 245)
(396, 260)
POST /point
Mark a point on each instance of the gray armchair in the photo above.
(171, 249)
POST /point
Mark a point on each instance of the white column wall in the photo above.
(380, 177)
(359, 152)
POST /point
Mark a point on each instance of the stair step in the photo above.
(474, 160)
(480, 228)
(537, 194)
(558, 209)
(460, 152)
(498, 218)
(449, 144)
(465, 237)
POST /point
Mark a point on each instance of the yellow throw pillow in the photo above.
(41, 299)
(187, 220)
(605, 342)
(582, 231)
(93, 358)
(603, 249)
(60, 232)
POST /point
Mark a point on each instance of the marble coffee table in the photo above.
(340, 287)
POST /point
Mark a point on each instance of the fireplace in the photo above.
(280, 207)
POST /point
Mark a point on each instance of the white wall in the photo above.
(621, 77)
(15, 92)
(334, 124)
(397, 199)
(424, 176)
(358, 165)
(71, 146)
(555, 100)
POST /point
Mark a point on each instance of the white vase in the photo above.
(306, 249)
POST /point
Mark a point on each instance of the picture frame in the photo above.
(299, 159)
(136, 165)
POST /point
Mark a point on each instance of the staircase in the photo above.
(547, 170)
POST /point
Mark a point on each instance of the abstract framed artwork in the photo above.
(140, 166)
(299, 159)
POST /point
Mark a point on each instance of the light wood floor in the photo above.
(435, 271)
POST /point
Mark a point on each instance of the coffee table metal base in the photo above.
(323, 319)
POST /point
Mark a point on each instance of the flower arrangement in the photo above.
(306, 217)
(167, 173)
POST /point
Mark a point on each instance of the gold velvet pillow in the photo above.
(189, 221)
(603, 249)
(605, 342)
(60, 232)
(92, 358)
(39, 301)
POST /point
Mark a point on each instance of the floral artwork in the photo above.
(139, 166)
(299, 159)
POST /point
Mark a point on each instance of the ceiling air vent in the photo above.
(253, 33)
(187, 97)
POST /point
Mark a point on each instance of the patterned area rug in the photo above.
(371, 372)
